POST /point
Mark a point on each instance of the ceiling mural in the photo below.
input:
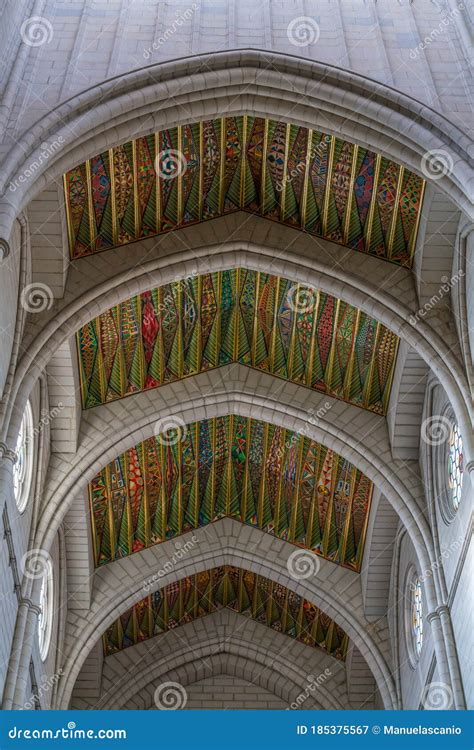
(263, 475)
(263, 321)
(249, 594)
(306, 179)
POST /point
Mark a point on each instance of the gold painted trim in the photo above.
(67, 207)
(179, 178)
(332, 353)
(414, 237)
(230, 440)
(261, 492)
(276, 510)
(243, 157)
(327, 189)
(395, 213)
(271, 353)
(146, 501)
(243, 504)
(255, 320)
(90, 207)
(113, 197)
(156, 164)
(347, 521)
(201, 169)
(95, 540)
(304, 197)
(361, 546)
(330, 506)
(136, 208)
(179, 459)
(264, 168)
(298, 480)
(369, 223)
(350, 196)
(291, 356)
(370, 374)
(346, 383)
(196, 476)
(222, 166)
(312, 350)
(285, 173)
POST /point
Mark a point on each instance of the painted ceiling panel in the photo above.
(263, 321)
(246, 593)
(260, 474)
(308, 180)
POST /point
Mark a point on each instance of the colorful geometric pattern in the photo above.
(266, 322)
(306, 179)
(247, 593)
(266, 476)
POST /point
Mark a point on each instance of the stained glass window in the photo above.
(45, 617)
(23, 466)
(416, 616)
(455, 466)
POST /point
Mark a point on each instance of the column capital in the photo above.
(443, 609)
(4, 248)
(8, 453)
(30, 605)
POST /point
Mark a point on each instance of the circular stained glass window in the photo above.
(455, 467)
(23, 466)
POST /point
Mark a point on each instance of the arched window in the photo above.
(414, 617)
(455, 467)
(417, 618)
(23, 466)
(45, 618)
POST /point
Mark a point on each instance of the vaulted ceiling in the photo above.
(264, 321)
(242, 591)
(281, 482)
(260, 474)
(304, 178)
